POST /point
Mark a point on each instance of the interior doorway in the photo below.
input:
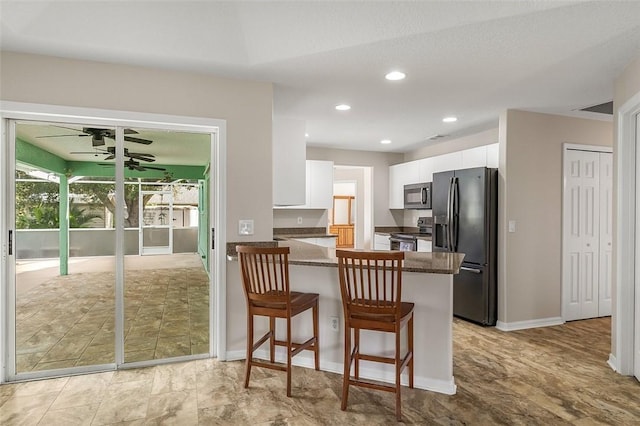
(357, 182)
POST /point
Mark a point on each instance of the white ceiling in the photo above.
(470, 59)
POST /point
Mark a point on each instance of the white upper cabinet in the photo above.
(425, 169)
(474, 157)
(493, 155)
(399, 176)
(422, 170)
(445, 162)
(319, 184)
(289, 154)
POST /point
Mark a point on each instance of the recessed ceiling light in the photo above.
(385, 141)
(395, 75)
(450, 119)
(343, 107)
(306, 135)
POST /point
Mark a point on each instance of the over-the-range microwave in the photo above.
(417, 196)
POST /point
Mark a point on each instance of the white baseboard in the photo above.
(447, 387)
(613, 362)
(522, 325)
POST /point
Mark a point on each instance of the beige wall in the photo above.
(531, 194)
(446, 146)
(626, 86)
(380, 162)
(246, 106)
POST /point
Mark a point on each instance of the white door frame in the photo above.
(626, 165)
(56, 113)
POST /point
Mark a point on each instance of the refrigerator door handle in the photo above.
(449, 216)
(474, 270)
(456, 211)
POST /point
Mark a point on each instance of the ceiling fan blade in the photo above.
(137, 140)
(154, 168)
(89, 152)
(110, 157)
(130, 132)
(141, 157)
(106, 164)
(62, 136)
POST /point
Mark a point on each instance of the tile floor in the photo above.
(547, 376)
(67, 321)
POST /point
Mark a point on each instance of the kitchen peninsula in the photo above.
(427, 281)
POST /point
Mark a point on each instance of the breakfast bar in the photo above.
(427, 281)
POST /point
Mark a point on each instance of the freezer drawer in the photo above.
(474, 295)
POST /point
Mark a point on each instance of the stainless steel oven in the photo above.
(403, 242)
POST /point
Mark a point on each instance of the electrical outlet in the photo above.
(245, 227)
(334, 323)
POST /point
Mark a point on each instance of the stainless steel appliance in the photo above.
(465, 205)
(408, 241)
(417, 196)
(403, 242)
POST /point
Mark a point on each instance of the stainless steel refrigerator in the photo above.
(465, 205)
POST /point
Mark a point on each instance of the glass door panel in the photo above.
(166, 287)
(64, 300)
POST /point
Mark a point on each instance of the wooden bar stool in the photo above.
(265, 278)
(371, 287)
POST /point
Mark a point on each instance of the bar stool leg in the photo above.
(247, 366)
(272, 339)
(289, 356)
(316, 335)
(347, 367)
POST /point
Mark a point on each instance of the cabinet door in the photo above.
(424, 245)
(289, 155)
(319, 184)
(381, 242)
(474, 157)
(446, 162)
(425, 169)
(399, 176)
(493, 155)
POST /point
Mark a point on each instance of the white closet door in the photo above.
(581, 224)
(636, 332)
(606, 233)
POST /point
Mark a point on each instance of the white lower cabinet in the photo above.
(424, 245)
(381, 242)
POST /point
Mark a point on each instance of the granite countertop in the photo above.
(313, 255)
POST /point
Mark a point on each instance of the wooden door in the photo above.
(581, 224)
(342, 221)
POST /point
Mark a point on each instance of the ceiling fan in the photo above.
(111, 151)
(132, 164)
(98, 134)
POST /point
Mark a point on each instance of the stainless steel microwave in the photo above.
(417, 196)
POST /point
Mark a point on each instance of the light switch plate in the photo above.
(245, 227)
(512, 226)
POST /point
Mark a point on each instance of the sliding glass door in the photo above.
(108, 264)
(63, 295)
